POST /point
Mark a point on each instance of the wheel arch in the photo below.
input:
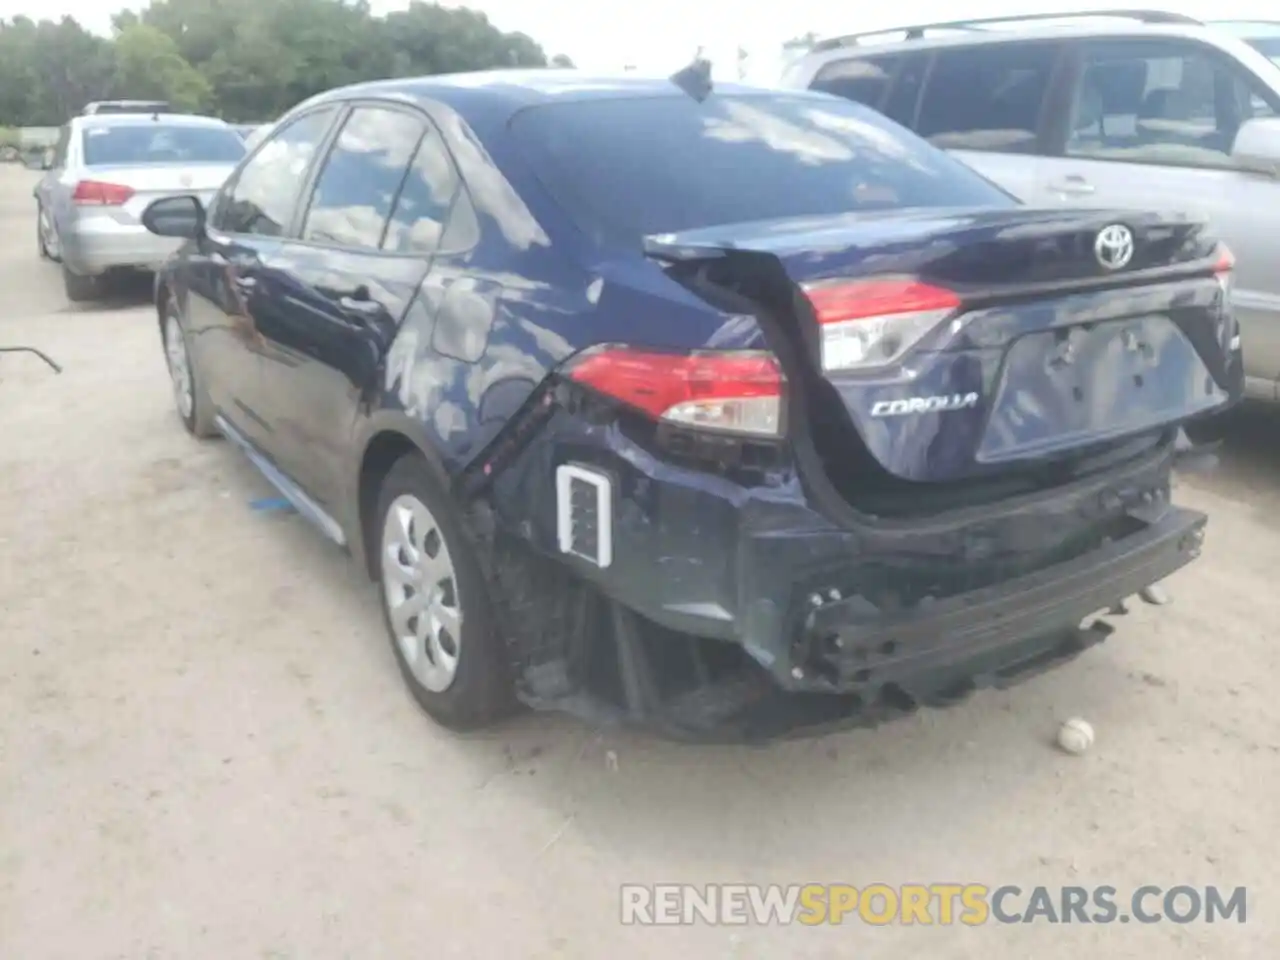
(388, 438)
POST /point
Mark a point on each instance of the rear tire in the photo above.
(45, 230)
(435, 605)
(81, 289)
(41, 249)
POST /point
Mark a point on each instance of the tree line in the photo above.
(245, 60)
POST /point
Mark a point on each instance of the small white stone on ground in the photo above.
(1075, 736)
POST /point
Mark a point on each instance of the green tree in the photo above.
(428, 38)
(149, 67)
(248, 60)
(50, 69)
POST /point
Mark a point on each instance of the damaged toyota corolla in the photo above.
(735, 413)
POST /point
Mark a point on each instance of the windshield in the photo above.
(1267, 45)
(626, 168)
(151, 142)
(1262, 36)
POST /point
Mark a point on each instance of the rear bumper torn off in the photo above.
(987, 630)
(737, 610)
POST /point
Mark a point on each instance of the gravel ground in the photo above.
(205, 749)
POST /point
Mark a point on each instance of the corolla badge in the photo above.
(917, 405)
(1114, 246)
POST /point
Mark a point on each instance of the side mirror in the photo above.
(181, 217)
(1257, 146)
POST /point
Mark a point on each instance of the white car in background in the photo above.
(104, 172)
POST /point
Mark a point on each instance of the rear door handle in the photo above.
(1074, 185)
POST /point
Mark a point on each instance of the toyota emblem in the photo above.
(1114, 246)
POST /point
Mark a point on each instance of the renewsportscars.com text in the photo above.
(968, 904)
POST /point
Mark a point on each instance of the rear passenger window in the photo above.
(361, 178)
(863, 79)
(425, 200)
(987, 97)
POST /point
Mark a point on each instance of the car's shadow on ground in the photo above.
(1249, 438)
(1248, 469)
(131, 290)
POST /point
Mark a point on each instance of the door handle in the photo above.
(1074, 185)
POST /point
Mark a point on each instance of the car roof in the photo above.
(135, 119)
(1251, 29)
(508, 91)
(1082, 26)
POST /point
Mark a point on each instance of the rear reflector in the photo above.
(1226, 260)
(95, 193)
(866, 324)
(733, 391)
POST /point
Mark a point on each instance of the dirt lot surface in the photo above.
(205, 749)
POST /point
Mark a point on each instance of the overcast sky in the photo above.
(660, 35)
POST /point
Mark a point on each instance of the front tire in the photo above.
(435, 605)
(189, 394)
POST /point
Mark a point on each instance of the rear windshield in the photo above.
(630, 167)
(160, 143)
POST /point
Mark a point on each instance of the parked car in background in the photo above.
(731, 414)
(1155, 110)
(100, 107)
(102, 174)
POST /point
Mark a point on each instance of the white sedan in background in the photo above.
(104, 172)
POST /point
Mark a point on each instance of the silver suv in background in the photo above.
(1141, 109)
(101, 176)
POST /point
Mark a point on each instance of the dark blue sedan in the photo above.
(733, 412)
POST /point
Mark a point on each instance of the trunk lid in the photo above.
(150, 182)
(963, 343)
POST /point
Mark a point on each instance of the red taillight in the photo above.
(1226, 260)
(838, 301)
(738, 391)
(96, 193)
(866, 324)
